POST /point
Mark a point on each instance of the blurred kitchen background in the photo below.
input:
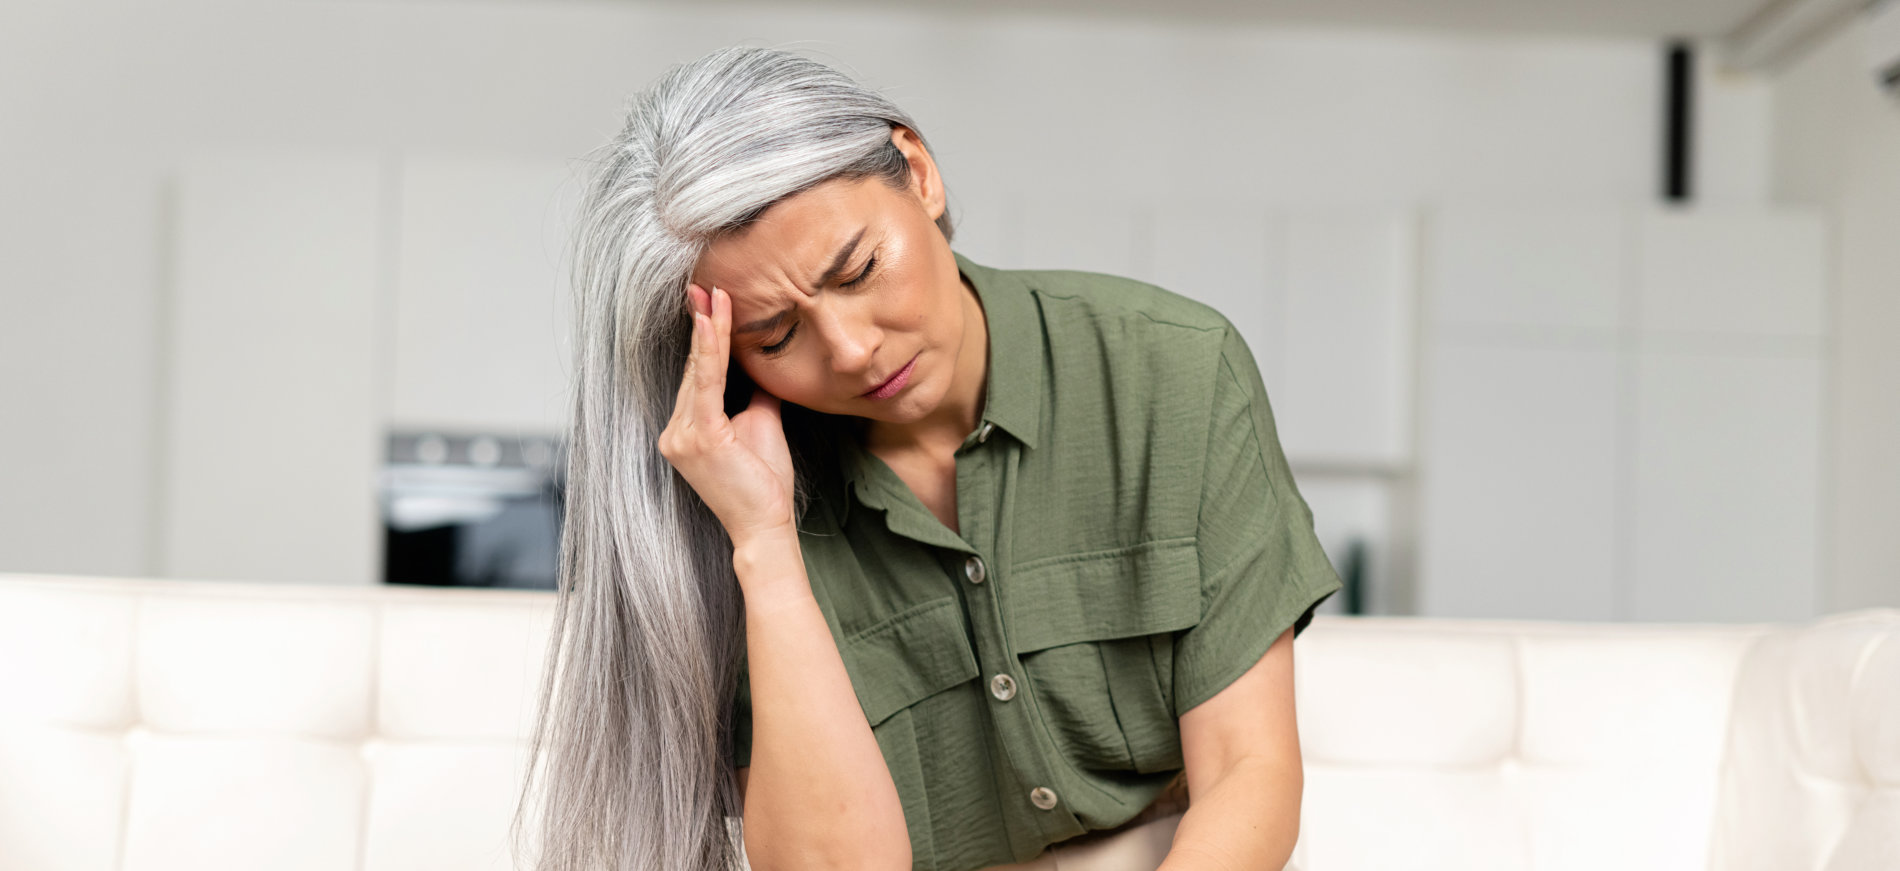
(1572, 310)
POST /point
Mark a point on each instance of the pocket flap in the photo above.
(1139, 590)
(914, 654)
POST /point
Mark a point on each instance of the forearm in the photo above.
(819, 794)
(1248, 821)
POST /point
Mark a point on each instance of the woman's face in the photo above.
(838, 288)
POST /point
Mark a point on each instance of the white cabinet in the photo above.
(1565, 270)
(1323, 298)
(272, 425)
(1346, 338)
(1728, 416)
(1724, 502)
(78, 344)
(1623, 413)
(320, 299)
(1733, 274)
(482, 309)
(1517, 488)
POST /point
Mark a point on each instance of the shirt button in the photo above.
(1043, 797)
(973, 569)
(1003, 687)
(983, 432)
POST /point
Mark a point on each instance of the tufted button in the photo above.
(1043, 797)
(1003, 687)
(973, 569)
(983, 432)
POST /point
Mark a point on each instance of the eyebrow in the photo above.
(832, 273)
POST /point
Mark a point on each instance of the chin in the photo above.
(909, 408)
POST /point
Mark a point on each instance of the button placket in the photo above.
(986, 488)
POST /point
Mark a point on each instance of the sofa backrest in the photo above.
(1812, 774)
(1523, 745)
(157, 725)
(161, 725)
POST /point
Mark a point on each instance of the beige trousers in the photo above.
(1140, 848)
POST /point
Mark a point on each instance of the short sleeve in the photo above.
(1262, 568)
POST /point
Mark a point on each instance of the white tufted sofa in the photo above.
(167, 725)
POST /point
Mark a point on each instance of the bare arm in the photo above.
(1245, 777)
(823, 797)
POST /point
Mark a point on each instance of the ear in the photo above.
(925, 183)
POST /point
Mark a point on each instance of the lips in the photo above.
(896, 377)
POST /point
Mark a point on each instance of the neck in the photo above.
(943, 430)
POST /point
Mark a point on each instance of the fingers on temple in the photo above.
(708, 359)
(722, 323)
(686, 404)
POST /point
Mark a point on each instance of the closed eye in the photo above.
(779, 346)
(862, 275)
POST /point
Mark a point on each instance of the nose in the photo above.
(850, 337)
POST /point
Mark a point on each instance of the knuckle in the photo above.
(686, 445)
(671, 442)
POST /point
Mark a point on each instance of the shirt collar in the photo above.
(1012, 396)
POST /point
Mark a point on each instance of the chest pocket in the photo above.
(894, 664)
(1094, 633)
(912, 655)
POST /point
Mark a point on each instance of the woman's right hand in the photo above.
(740, 466)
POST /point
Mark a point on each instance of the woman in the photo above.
(910, 562)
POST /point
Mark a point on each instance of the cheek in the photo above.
(924, 311)
(783, 378)
(949, 314)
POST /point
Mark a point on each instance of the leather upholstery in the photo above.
(161, 725)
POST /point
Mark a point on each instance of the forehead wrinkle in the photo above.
(779, 279)
(770, 276)
(764, 323)
(775, 299)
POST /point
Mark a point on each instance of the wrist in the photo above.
(771, 541)
(770, 565)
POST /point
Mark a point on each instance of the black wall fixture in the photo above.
(1352, 577)
(1678, 122)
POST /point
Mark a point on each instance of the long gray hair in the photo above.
(628, 767)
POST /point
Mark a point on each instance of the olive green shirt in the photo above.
(1130, 541)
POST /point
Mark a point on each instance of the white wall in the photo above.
(1621, 412)
(1836, 146)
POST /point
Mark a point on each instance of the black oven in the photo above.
(472, 509)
